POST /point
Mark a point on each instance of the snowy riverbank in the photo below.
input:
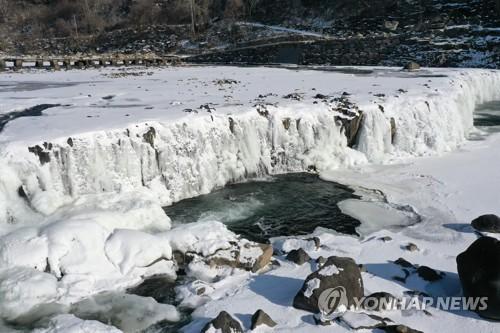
(82, 185)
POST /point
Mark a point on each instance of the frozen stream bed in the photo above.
(83, 185)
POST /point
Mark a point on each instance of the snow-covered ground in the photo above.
(80, 211)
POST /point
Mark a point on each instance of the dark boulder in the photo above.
(225, 323)
(262, 318)
(340, 277)
(379, 301)
(487, 223)
(479, 272)
(299, 256)
(428, 274)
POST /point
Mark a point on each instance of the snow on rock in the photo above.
(129, 313)
(24, 289)
(67, 323)
(130, 248)
(204, 238)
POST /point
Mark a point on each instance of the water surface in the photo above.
(283, 205)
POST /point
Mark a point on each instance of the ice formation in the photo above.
(81, 188)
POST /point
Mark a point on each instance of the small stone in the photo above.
(428, 274)
(225, 323)
(411, 247)
(262, 318)
(299, 256)
(321, 261)
(399, 329)
(385, 239)
(404, 263)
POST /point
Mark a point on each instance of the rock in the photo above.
(379, 301)
(391, 25)
(316, 240)
(321, 261)
(339, 274)
(411, 247)
(385, 239)
(399, 329)
(404, 263)
(428, 274)
(412, 66)
(225, 323)
(161, 288)
(487, 223)
(262, 318)
(299, 256)
(264, 259)
(479, 273)
(242, 255)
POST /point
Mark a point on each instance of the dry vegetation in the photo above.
(74, 18)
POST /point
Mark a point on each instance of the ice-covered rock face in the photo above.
(242, 133)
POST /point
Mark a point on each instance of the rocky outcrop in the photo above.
(479, 271)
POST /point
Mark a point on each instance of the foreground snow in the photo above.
(448, 192)
(80, 212)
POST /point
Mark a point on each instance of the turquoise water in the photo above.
(283, 205)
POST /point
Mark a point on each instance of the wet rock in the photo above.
(487, 223)
(161, 288)
(299, 256)
(479, 272)
(338, 273)
(225, 323)
(428, 274)
(262, 318)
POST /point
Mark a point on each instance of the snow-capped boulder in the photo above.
(223, 323)
(342, 274)
(212, 244)
(479, 272)
(487, 223)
